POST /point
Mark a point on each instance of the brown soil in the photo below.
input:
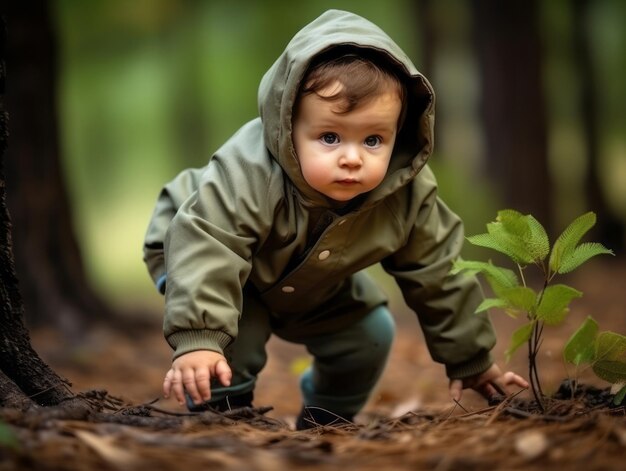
(410, 423)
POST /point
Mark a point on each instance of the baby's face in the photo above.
(345, 155)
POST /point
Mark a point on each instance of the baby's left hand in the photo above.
(490, 383)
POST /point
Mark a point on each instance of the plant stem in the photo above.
(533, 350)
(534, 342)
(521, 274)
(535, 353)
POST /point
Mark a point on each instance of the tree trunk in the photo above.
(609, 229)
(425, 12)
(48, 260)
(509, 51)
(23, 374)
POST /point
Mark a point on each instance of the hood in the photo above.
(279, 87)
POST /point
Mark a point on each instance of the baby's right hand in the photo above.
(192, 372)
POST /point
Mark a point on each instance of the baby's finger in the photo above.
(189, 381)
(223, 372)
(203, 383)
(489, 390)
(511, 379)
(501, 386)
(456, 389)
(177, 386)
(496, 388)
(167, 384)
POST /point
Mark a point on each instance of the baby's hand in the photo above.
(489, 384)
(192, 372)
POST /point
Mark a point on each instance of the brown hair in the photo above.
(362, 78)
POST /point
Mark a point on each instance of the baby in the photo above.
(273, 234)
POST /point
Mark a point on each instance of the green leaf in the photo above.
(517, 236)
(568, 240)
(514, 223)
(528, 230)
(619, 397)
(519, 338)
(539, 244)
(490, 241)
(580, 348)
(610, 357)
(460, 265)
(490, 303)
(554, 303)
(611, 371)
(580, 255)
(520, 298)
(511, 244)
(610, 346)
(497, 277)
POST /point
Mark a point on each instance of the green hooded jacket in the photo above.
(249, 217)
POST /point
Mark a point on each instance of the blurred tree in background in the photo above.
(530, 108)
(54, 285)
(610, 229)
(513, 109)
(24, 378)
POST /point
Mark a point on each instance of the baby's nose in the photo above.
(351, 156)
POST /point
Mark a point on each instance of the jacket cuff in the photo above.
(186, 341)
(477, 365)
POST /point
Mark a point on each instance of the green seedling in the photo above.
(604, 352)
(525, 242)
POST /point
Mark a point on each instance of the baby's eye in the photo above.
(330, 138)
(373, 141)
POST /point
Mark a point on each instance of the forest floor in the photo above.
(409, 423)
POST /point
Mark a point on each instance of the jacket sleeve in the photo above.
(445, 304)
(170, 199)
(208, 251)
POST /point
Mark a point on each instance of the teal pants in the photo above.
(347, 362)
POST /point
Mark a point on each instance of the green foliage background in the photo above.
(149, 87)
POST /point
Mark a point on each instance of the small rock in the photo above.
(615, 388)
(531, 444)
(406, 407)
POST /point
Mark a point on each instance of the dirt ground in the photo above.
(410, 422)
